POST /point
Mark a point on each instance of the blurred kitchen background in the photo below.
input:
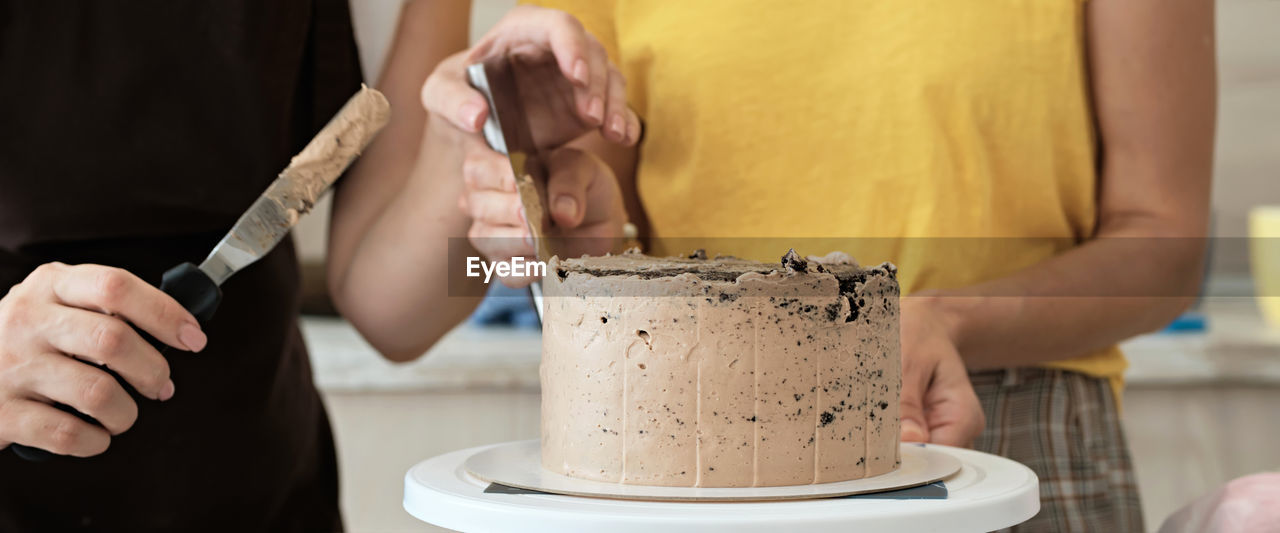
(1199, 408)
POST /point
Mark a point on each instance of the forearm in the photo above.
(1091, 297)
(1153, 92)
(397, 290)
(396, 208)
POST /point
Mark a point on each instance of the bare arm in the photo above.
(1153, 84)
(396, 208)
(397, 225)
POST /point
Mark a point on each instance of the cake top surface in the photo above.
(719, 268)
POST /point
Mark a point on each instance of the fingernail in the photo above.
(595, 109)
(619, 126)
(580, 71)
(911, 432)
(633, 132)
(523, 218)
(192, 337)
(471, 115)
(566, 206)
(167, 391)
(528, 239)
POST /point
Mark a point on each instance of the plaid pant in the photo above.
(1064, 426)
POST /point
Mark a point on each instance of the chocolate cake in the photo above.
(723, 372)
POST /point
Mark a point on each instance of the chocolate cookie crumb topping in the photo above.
(794, 263)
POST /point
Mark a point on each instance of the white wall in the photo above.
(1247, 169)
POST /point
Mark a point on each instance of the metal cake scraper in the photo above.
(507, 131)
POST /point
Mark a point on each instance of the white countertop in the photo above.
(1238, 348)
(466, 358)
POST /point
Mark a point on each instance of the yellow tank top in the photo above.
(954, 139)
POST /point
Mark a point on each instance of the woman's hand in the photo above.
(586, 205)
(60, 313)
(568, 89)
(567, 85)
(938, 401)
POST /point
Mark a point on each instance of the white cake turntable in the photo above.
(503, 487)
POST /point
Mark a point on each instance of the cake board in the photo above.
(988, 493)
(518, 464)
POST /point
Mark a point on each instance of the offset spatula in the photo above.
(268, 220)
(507, 131)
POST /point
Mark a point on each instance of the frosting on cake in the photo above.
(719, 372)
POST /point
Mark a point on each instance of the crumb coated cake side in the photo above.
(719, 372)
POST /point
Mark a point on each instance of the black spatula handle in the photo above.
(191, 288)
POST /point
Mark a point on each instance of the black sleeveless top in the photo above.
(134, 134)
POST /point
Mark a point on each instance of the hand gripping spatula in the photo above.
(268, 220)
